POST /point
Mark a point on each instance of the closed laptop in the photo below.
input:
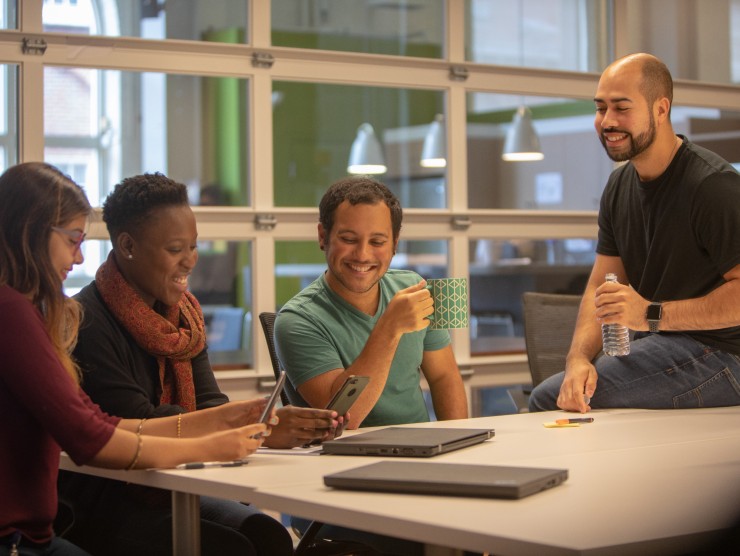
(406, 442)
(448, 479)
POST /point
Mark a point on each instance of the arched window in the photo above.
(82, 108)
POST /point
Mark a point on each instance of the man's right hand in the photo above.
(579, 385)
(409, 309)
(302, 425)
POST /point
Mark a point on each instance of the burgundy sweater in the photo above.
(42, 411)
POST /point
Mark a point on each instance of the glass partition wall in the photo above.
(255, 106)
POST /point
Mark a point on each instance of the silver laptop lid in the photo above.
(449, 479)
(406, 441)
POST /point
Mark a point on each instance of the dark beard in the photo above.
(638, 144)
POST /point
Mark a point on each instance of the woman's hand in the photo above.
(233, 444)
(303, 425)
(163, 452)
(343, 421)
(239, 413)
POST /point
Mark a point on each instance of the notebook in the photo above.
(406, 442)
(450, 479)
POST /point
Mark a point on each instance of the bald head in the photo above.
(655, 79)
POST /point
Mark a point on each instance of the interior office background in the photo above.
(256, 104)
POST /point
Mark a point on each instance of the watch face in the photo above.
(654, 311)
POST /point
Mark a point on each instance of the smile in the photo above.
(361, 268)
(613, 138)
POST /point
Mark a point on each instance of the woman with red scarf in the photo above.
(43, 410)
(143, 351)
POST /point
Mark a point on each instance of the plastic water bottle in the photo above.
(616, 338)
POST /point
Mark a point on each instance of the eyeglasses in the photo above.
(75, 235)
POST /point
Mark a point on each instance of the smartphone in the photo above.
(348, 394)
(274, 397)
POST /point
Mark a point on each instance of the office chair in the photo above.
(549, 322)
(308, 545)
(267, 320)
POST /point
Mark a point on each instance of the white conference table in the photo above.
(640, 482)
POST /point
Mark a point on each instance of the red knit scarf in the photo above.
(173, 338)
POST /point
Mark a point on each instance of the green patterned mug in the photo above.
(450, 303)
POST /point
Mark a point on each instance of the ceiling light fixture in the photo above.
(434, 151)
(522, 143)
(366, 156)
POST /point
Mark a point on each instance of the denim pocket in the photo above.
(721, 390)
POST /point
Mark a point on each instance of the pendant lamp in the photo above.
(366, 156)
(522, 143)
(434, 151)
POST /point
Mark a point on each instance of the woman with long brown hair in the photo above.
(43, 218)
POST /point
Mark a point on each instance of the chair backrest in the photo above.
(549, 322)
(308, 545)
(289, 395)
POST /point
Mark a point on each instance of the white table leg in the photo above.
(185, 524)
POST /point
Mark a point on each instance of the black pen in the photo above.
(206, 464)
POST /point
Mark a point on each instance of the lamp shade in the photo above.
(522, 142)
(366, 156)
(434, 151)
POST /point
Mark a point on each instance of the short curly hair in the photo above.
(132, 202)
(359, 190)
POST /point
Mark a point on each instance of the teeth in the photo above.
(358, 268)
(612, 138)
(183, 280)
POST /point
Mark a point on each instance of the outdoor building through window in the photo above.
(256, 106)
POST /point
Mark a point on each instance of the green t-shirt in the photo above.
(317, 331)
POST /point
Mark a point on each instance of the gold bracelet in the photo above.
(141, 427)
(139, 445)
(179, 424)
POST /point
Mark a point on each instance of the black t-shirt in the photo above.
(678, 234)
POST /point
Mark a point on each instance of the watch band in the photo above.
(653, 316)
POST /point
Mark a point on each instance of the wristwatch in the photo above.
(654, 312)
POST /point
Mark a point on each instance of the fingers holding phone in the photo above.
(302, 425)
(342, 401)
(268, 416)
(343, 421)
(347, 394)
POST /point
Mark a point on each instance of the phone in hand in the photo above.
(272, 400)
(347, 394)
(344, 398)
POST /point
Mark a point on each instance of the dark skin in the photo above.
(156, 261)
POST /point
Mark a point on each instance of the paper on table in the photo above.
(298, 451)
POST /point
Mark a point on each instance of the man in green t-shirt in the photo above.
(360, 318)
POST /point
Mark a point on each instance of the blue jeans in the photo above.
(662, 371)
